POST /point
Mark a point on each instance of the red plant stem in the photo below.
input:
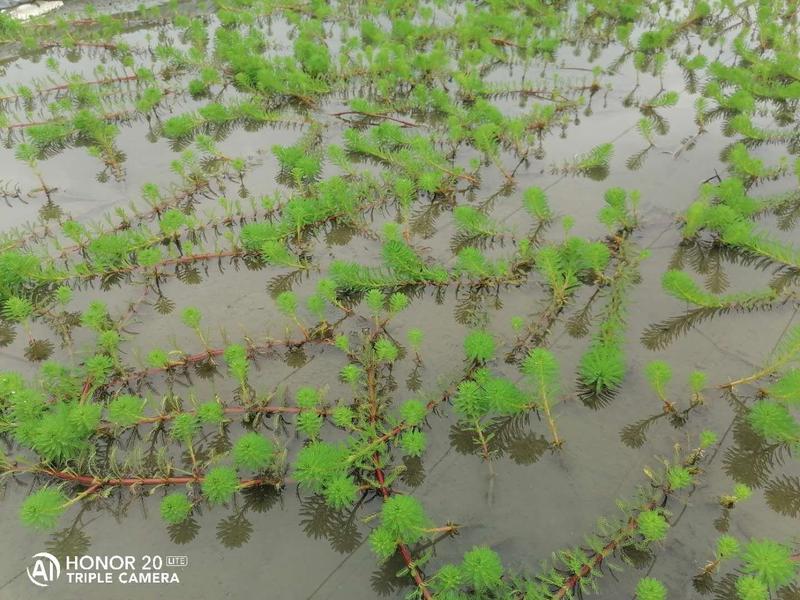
(397, 429)
(375, 116)
(235, 252)
(189, 258)
(197, 187)
(503, 42)
(93, 488)
(621, 536)
(252, 352)
(404, 551)
(64, 86)
(87, 384)
(96, 45)
(385, 491)
(228, 410)
(77, 22)
(94, 482)
(598, 558)
(106, 117)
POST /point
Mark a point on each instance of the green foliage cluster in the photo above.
(486, 394)
(680, 285)
(653, 526)
(333, 198)
(650, 588)
(602, 367)
(727, 211)
(42, 509)
(402, 266)
(175, 508)
(426, 124)
(323, 468)
(563, 266)
(403, 521)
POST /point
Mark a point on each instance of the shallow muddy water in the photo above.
(291, 544)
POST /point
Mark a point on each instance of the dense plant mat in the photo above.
(498, 298)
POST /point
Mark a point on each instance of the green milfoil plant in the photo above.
(331, 179)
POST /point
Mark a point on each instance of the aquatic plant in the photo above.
(649, 588)
(769, 562)
(602, 367)
(403, 174)
(594, 163)
(543, 371)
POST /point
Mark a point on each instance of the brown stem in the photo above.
(94, 482)
(234, 252)
(106, 117)
(395, 431)
(197, 186)
(228, 410)
(96, 45)
(538, 330)
(408, 559)
(597, 560)
(621, 536)
(65, 86)
(374, 115)
(503, 42)
(252, 352)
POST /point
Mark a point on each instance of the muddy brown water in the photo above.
(292, 547)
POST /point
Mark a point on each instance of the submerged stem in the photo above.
(551, 423)
(487, 456)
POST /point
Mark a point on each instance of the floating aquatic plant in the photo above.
(387, 126)
(650, 588)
